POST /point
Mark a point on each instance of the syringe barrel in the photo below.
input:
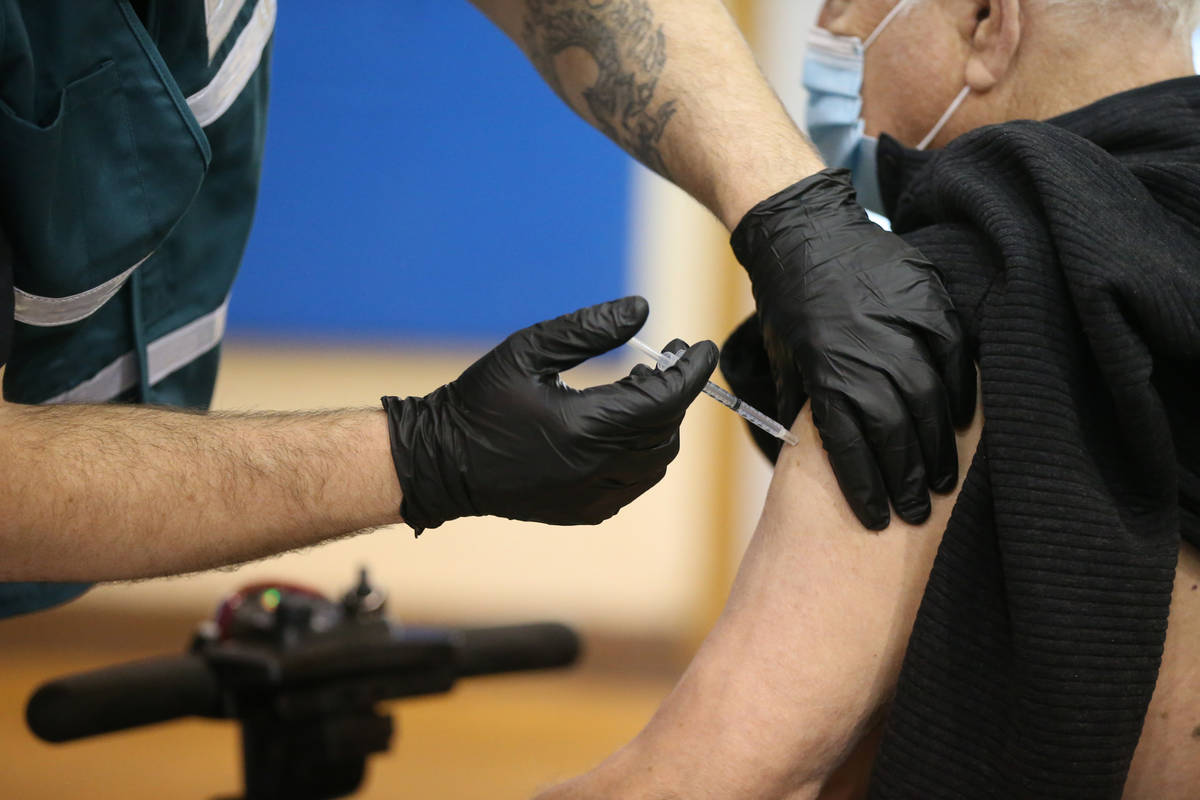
(760, 419)
(725, 398)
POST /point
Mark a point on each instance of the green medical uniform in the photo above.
(131, 137)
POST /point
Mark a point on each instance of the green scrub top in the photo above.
(131, 139)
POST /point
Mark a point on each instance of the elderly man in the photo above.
(1017, 645)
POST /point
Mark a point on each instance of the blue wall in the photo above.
(422, 182)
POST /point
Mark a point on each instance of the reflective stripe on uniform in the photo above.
(207, 105)
(219, 16)
(213, 100)
(46, 312)
(164, 356)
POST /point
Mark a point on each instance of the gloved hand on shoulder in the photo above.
(856, 318)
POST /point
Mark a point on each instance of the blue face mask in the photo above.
(833, 76)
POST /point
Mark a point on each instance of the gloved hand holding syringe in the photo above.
(743, 410)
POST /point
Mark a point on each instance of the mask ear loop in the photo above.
(966, 90)
(891, 15)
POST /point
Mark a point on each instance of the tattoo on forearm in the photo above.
(629, 51)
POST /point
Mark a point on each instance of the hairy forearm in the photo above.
(673, 83)
(112, 492)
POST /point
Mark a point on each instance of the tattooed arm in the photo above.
(674, 84)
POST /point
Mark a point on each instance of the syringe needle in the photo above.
(727, 399)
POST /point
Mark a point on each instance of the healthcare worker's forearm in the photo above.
(674, 83)
(95, 493)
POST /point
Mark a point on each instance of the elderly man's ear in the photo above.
(992, 30)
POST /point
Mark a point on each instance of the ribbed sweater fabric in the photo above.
(1072, 251)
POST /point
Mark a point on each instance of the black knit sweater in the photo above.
(1072, 250)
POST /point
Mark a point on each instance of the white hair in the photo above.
(1180, 16)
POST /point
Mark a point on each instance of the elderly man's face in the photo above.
(913, 69)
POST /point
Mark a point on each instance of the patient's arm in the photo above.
(803, 658)
(807, 652)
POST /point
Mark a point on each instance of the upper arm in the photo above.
(809, 647)
(805, 655)
(814, 578)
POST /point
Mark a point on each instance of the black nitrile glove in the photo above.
(508, 438)
(860, 321)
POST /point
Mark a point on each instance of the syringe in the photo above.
(743, 410)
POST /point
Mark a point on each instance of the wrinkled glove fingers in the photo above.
(676, 346)
(603, 507)
(640, 371)
(949, 348)
(644, 449)
(648, 458)
(564, 342)
(890, 433)
(852, 460)
(652, 399)
(925, 396)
